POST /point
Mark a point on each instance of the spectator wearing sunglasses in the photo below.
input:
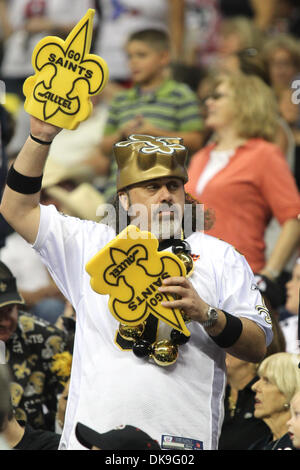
(243, 176)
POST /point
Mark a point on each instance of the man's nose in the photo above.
(254, 386)
(132, 61)
(164, 195)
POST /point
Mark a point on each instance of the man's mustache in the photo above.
(168, 207)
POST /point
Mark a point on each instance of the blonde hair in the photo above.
(249, 34)
(257, 110)
(282, 370)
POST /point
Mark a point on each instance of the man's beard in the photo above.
(196, 219)
(166, 226)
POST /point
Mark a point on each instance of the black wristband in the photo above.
(23, 184)
(42, 142)
(231, 333)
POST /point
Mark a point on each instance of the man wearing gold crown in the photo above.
(117, 378)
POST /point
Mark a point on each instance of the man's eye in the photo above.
(173, 186)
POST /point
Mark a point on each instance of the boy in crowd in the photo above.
(156, 104)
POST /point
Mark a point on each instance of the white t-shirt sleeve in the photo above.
(65, 245)
(239, 294)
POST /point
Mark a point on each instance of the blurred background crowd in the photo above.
(224, 75)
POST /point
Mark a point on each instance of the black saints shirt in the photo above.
(37, 439)
(34, 387)
(267, 443)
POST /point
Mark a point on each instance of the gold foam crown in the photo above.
(144, 157)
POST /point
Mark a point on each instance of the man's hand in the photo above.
(43, 130)
(188, 300)
(251, 345)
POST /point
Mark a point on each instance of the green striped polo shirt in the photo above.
(173, 106)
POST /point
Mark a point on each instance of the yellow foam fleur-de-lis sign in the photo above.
(130, 270)
(66, 75)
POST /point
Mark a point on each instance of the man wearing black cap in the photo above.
(123, 438)
(118, 376)
(30, 344)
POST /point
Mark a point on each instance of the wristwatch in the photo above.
(212, 317)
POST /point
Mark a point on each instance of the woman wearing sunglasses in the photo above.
(243, 176)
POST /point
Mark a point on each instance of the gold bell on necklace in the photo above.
(187, 261)
(164, 353)
(130, 332)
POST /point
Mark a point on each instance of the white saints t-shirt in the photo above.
(111, 387)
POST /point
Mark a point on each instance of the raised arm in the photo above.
(20, 209)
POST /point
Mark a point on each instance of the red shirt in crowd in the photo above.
(255, 185)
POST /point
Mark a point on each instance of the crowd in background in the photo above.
(226, 75)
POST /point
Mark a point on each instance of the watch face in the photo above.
(212, 317)
(212, 314)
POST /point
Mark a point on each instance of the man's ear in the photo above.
(124, 200)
